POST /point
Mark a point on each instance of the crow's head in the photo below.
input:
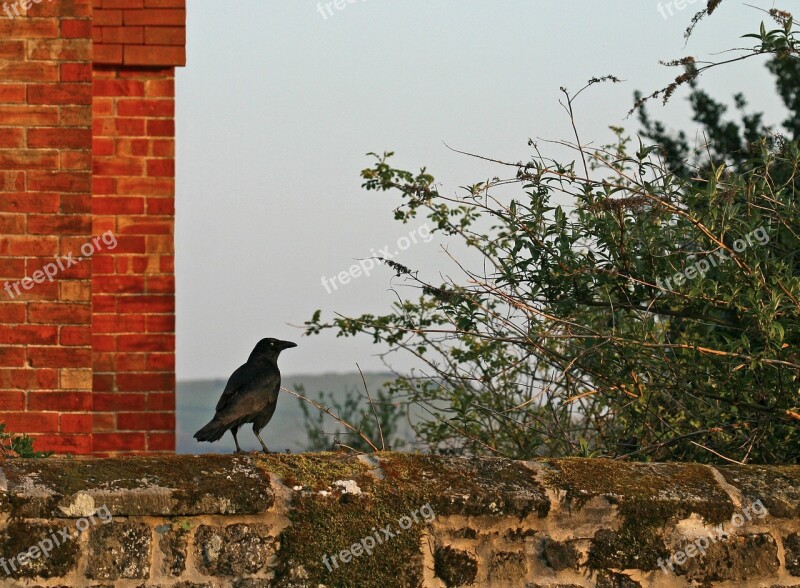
(270, 348)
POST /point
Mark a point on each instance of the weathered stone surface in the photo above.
(468, 486)
(615, 580)
(560, 555)
(129, 486)
(119, 550)
(235, 550)
(397, 521)
(55, 555)
(454, 566)
(173, 541)
(778, 487)
(509, 567)
(791, 546)
(737, 558)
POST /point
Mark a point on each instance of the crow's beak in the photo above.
(287, 345)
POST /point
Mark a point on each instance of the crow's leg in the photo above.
(260, 440)
(235, 430)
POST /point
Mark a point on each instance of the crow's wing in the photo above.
(248, 391)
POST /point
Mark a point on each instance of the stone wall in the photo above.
(395, 520)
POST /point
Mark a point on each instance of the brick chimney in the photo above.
(87, 185)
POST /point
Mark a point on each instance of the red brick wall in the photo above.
(133, 286)
(45, 206)
(87, 361)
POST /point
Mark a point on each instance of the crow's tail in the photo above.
(213, 431)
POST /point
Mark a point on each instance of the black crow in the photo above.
(250, 396)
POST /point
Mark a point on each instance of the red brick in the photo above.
(107, 54)
(146, 421)
(119, 284)
(161, 206)
(149, 342)
(102, 382)
(59, 94)
(165, 36)
(160, 285)
(12, 93)
(76, 28)
(11, 400)
(30, 71)
(102, 146)
(27, 245)
(119, 127)
(76, 423)
(118, 442)
(75, 444)
(75, 204)
(147, 304)
(118, 166)
(154, 55)
(118, 205)
(25, 28)
(103, 18)
(12, 50)
(81, 336)
(118, 323)
(25, 202)
(133, 147)
(41, 181)
(28, 379)
(59, 313)
(12, 138)
(60, 50)
(146, 186)
(29, 116)
(26, 422)
(76, 72)
(160, 88)
(130, 362)
(111, 4)
(123, 35)
(27, 334)
(165, 3)
(76, 116)
(28, 159)
(60, 138)
(139, 382)
(155, 16)
(62, 401)
(115, 87)
(148, 107)
(161, 442)
(12, 356)
(161, 402)
(104, 422)
(13, 313)
(118, 402)
(12, 267)
(59, 357)
(104, 303)
(161, 168)
(160, 361)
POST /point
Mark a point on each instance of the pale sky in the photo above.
(278, 106)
